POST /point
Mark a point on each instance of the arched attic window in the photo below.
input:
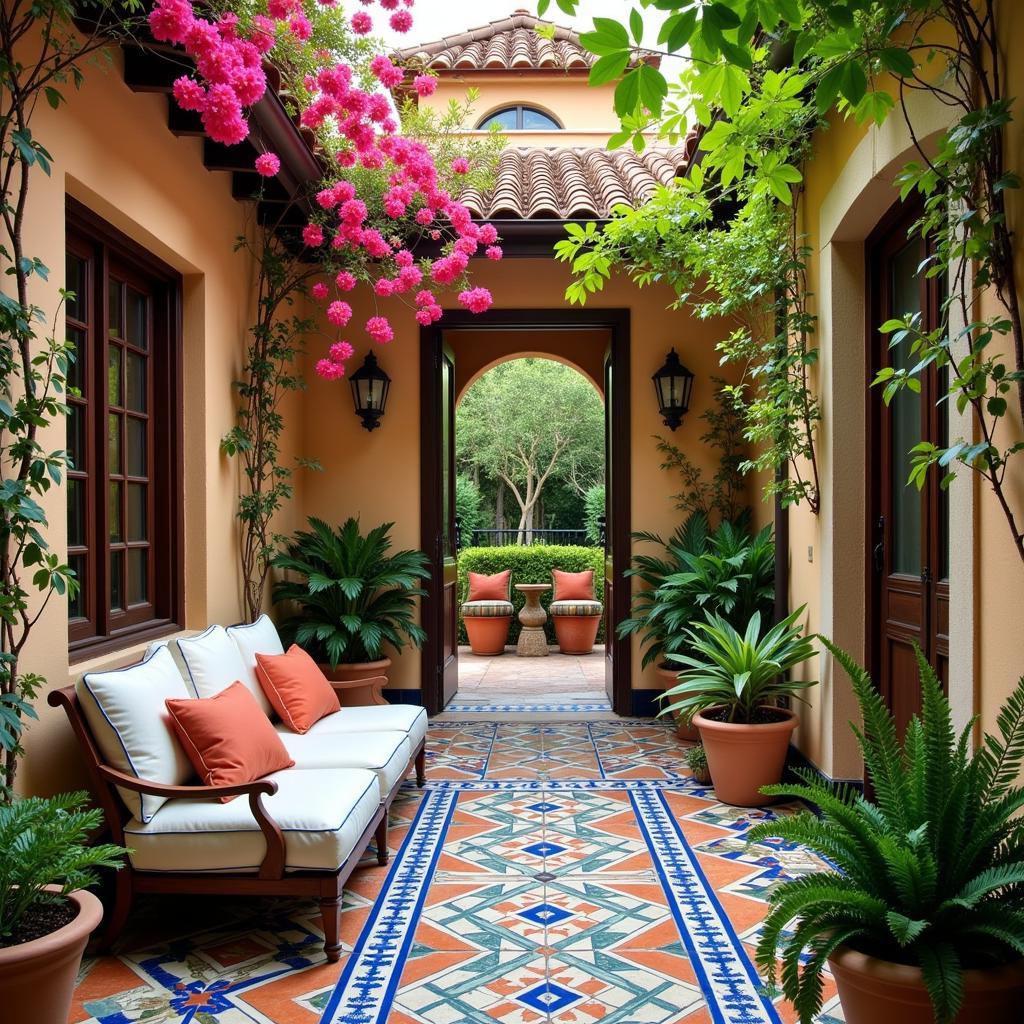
(520, 118)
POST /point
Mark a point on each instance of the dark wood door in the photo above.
(440, 674)
(909, 541)
(609, 532)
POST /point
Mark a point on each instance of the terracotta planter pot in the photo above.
(873, 991)
(37, 978)
(668, 678)
(487, 635)
(743, 758)
(576, 633)
(348, 671)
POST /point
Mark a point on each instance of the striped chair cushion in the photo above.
(486, 609)
(588, 608)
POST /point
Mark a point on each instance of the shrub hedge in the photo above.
(530, 564)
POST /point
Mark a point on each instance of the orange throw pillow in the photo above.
(489, 588)
(573, 586)
(227, 737)
(295, 686)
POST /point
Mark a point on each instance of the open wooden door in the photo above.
(440, 673)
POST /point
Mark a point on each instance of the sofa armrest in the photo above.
(272, 865)
(356, 693)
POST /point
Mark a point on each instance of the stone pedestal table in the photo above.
(532, 641)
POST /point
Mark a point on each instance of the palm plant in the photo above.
(739, 674)
(352, 596)
(930, 873)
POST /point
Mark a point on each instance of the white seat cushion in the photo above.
(213, 662)
(129, 720)
(386, 754)
(259, 637)
(376, 718)
(322, 815)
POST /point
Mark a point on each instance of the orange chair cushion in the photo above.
(227, 737)
(489, 588)
(573, 586)
(295, 686)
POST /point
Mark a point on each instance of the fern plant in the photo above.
(45, 842)
(930, 873)
(352, 596)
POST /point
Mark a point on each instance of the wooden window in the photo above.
(124, 436)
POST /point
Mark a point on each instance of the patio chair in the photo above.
(575, 611)
(487, 612)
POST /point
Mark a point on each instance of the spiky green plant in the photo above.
(352, 596)
(929, 873)
(45, 842)
(740, 673)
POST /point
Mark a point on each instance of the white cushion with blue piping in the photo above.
(405, 718)
(252, 638)
(127, 715)
(321, 813)
(386, 754)
(213, 663)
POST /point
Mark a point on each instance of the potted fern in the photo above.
(922, 919)
(46, 912)
(730, 688)
(352, 597)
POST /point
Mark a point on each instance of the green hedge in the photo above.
(530, 564)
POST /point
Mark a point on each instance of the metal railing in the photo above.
(510, 535)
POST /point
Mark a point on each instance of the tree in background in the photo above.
(593, 513)
(528, 423)
(469, 511)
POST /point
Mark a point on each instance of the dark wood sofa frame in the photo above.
(271, 879)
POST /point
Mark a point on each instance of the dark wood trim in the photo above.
(617, 322)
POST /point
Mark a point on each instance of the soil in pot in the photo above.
(874, 991)
(743, 758)
(37, 976)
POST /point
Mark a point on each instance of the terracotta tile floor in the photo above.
(560, 872)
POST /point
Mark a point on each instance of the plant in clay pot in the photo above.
(730, 688)
(46, 914)
(922, 919)
(353, 597)
(696, 759)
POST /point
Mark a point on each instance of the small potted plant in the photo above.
(730, 688)
(922, 918)
(353, 598)
(696, 759)
(46, 912)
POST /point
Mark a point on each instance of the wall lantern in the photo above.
(370, 386)
(674, 386)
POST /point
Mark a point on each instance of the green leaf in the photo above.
(608, 68)
(636, 25)
(721, 16)
(897, 60)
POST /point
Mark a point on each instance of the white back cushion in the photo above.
(259, 637)
(213, 663)
(126, 713)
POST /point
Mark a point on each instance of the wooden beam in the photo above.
(249, 185)
(184, 123)
(152, 70)
(219, 157)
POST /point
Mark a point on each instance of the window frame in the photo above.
(103, 629)
(520, 109)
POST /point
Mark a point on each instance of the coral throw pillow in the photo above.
(227, 737)
(573, 586)
(294, 684)
(489, 588)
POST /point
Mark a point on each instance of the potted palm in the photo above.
(922, 919)
(352, 597)
(46, 912)
(730, 688)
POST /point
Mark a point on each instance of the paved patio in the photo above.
(559, 872)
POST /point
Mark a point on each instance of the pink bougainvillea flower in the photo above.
(494, 252)
(341, 351)
(268, 164)
(171, 20)
(476, 300)
(425, 84)
(384, 287)
(488, 234)
(329, 369)
(313, 235)
(385, 72)
(378, 328)
(425, 298)
(362, 23)
(319, 291)
(401, 21)
(189, 94)
(345, 280)
(339, 313)
(460, 165)
(300, 27)
(424, 216)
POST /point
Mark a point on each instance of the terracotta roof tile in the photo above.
(510, 44)
(535, 183)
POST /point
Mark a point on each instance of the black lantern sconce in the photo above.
(674, 386)
(370, 386)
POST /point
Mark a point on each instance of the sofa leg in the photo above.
(330, 914)
(421, 767)
(123, 896)
(380, 837)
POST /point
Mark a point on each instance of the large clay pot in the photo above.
(669, 678)
(743, 758)
(487, 634)
(576, 633)
(349, 671)
(37, 978)
(874, 991)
